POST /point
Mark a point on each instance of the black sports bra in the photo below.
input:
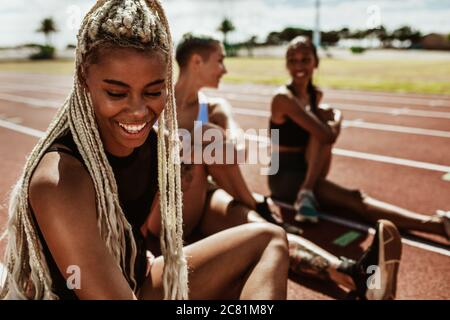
(290, 133)
(136, 176)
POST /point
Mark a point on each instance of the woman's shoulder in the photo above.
(59, 178)
(282, 98)
(283, 91)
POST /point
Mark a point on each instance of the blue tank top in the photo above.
(202, 115)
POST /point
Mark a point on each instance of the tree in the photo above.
(407, 33)
(250, 44)
(290, 33)
(273, 38)
(226, 27)
(330, 38)
(47, 28)
(384, 36)
(344, 33)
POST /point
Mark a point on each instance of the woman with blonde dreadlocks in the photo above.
(90, 184)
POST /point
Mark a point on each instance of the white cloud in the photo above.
(19, 19)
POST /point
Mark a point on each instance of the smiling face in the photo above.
(301, 63)
(212, 69)
(128, 93)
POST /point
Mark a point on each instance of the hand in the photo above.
(326, 113)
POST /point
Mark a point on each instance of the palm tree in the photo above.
(225, 27)
(47, 27)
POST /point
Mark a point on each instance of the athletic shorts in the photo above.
(285, 184)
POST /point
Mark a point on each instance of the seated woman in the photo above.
(307, 133)
(211, 209)
(77, 214)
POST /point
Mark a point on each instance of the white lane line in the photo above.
(265, 140)
(35, 103)
(395, 111)
(251, 112)
(39, 134)
(391, 160)
(39, 103)
(357, 96)
(42, 103)
(406, 239)
(363, 108)
(431, 100)
(347, 99)
(359, 124)
(392, 128)
(36, 88)
(397, 100)
(21, 129)
(370, 156)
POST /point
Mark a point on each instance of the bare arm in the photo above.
(283, 106)
(220, 115)
(62, 196)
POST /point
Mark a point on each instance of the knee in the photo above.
(275, 240)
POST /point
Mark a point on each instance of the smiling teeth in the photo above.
(132, 128)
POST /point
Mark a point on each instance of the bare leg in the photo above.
(229, 177)
(318, 157)
(305, 257)
(310, 259)
(247, 262)
(332, 195)
(219, 211)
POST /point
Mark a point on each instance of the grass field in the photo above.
(412, 76)
(381, 75)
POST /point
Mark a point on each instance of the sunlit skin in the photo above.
(324, 128)
(127, 87)
(62, 197)
(200, 73)
(213, 69)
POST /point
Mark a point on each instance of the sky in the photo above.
(19, 19)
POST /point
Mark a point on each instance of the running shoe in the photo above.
(306, 207)
(375, 274)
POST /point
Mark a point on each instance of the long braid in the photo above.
(141, 24)
(172, 239)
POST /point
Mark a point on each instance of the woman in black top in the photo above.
(77, 214)
(307, 133)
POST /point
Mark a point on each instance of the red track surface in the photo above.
(423, 274)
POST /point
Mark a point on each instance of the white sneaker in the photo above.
(375, 273)
(389, 255)
(306, 207)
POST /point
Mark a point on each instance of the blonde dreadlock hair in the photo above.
(140, 24)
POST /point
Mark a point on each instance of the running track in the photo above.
(396, 147)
